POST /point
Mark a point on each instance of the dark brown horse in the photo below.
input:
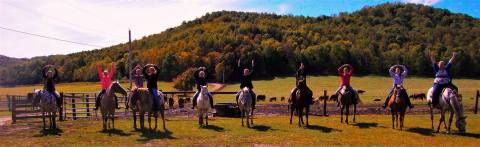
(302, 100)
(398, 106)
(345, 99)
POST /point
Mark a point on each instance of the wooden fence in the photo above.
(22, 108)
(476, 101)
(82, 104)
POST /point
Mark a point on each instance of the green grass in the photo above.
(269, 130)
(376, 87)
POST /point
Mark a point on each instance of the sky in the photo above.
(31, 28)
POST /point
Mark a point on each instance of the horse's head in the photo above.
(246, 90)
(204, 90)
(117, 88)
(461, 124)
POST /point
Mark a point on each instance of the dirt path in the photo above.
(217, 87)
(4, 120)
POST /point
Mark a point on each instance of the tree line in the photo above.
(370, 39)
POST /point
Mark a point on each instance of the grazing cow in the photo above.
(272, 99)
(377, 100)
(188, 100)
(361, 91)
(171, 102)
(282, 99)
(181, 102)
(261, 98)
(333, 97)
(420, 96)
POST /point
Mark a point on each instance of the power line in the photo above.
(48, 37)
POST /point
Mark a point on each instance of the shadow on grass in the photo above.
(322, 128)
(366, 125)
(115, 132)
(148, 135)
(468, 135)
(214, 128)
(262, 128)
(48, 132)
(421, 131)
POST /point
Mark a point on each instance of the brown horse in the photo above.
(48, 105)
(108, 103)
(398, 106)
(303, 99)
(142, 102)
(345, 99)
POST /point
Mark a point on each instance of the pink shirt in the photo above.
(345, 77)
(105, 80)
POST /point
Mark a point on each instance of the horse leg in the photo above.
(341, 114)
(450, 122)
(149, 120)
(442, 118)
(431, 114)
(206, 118)
(134, 120)
(53, 119)
(200, 118)
(396, 117)
(113, 120)
(402, 118)
(251, 116)
(162, 112)
(156, 120)
(291, 113)
(393, 118)
(306, 113)
(142, 120)
(44, 124)
(242, 115)
(354, 111)
(346, 115)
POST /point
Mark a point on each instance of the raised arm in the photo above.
(350, 68)
(144, 70)
(405, 70)
(99, 70)
(452, 60)
(197, 73)
(432, 58)
(340, 69)
(392, 70)
(55, 75)
(44, 71)
(253, 67)
(112, 70)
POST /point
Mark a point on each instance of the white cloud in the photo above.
(283, 8)
(424, 2)
(102, 23)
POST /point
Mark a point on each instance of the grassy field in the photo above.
(376, 87)
(269, 130)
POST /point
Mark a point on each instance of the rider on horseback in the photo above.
(201, 80)
(138, 76)
(246, 81)
(105, 80)
(345, 71)
(150, 72)
(300, 76)
(398, 76)
(49, 78)
(443, 77)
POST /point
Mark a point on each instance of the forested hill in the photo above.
(371, 39)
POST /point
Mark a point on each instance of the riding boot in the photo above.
(386, 102)
(194, 103)
(97, 103)
(254, 100)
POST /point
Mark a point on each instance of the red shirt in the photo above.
(345, 77)
(105, 80)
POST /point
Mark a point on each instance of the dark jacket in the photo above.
(246, 81)
(301, 73)
(200, 81)
(49, 84)
(151, 79)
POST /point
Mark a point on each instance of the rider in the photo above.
(201, 80)
(105, 80)
(398, 76)
(138, 76)
(443, 76)
(49, 78)
(150, 72)
(246, 81)
(345, 71)
(300, 75)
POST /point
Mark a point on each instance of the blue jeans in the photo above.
(156, 98)
(196, 96)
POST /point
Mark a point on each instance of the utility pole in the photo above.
(130, 58)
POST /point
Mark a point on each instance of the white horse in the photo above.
(448, 101)
(203, 105)
(48, 105)
(245, 105)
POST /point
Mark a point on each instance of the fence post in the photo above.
(14, 117)
(325, 97)
(87, 104)
(476, 101)
(9, 103)
(60, 110)
(74, 110)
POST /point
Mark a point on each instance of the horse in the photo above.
(203, 105)
(398, 106)
(345, 99)
(245, 105)
(303, 99)
(141, 101)
(48, 106)
(448, 101)
(107, 103)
